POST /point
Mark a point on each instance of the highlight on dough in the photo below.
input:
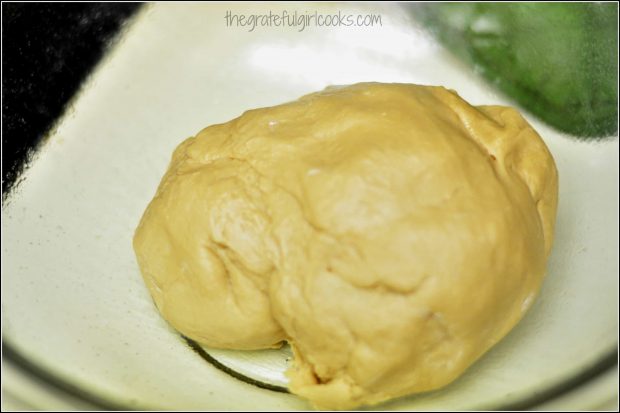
(391, 233)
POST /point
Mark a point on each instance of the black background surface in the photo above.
(47, 51)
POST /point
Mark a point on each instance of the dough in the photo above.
(392, 233)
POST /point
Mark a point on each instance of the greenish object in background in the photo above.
(557, 60)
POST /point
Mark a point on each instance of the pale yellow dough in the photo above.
(392, 233)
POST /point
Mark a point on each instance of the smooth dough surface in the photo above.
(392, 233)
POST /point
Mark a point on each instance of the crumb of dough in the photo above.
(392, 233)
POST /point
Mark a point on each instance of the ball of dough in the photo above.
(392, 233)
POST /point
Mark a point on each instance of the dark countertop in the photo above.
(48, 50)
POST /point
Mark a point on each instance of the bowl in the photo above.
(79, 327)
